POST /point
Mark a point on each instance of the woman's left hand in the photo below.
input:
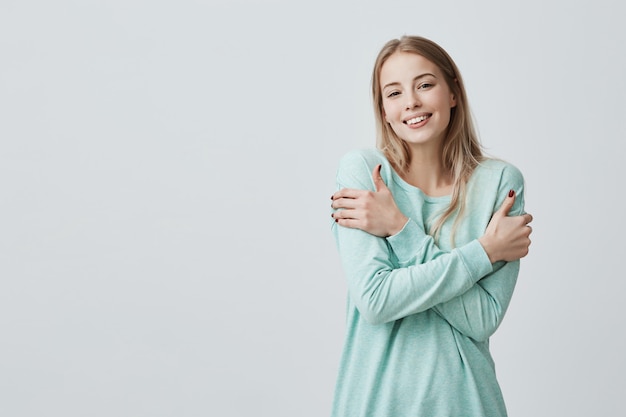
(374, 212)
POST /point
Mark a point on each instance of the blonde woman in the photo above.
(430, 232)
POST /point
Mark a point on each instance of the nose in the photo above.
(412, 101)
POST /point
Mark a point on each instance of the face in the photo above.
(416, 98)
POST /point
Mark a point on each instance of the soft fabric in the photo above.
(420, 313)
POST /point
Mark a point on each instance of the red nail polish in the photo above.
(511, 193)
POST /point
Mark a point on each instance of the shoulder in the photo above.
(355, 167)
(497, 177)
(357, 158)
(494, 169)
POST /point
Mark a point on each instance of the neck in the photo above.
(427, 173)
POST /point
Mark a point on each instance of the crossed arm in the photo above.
(470, 287)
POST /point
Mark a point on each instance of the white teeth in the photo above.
(416, 120)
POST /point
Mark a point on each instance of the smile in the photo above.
(417, 119)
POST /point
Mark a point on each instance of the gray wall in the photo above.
(165, 173)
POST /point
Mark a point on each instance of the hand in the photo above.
(374, 212)
(507, 238)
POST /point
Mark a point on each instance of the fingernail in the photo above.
(511, 193)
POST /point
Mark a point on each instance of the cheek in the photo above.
(388, 113)
(447, 113)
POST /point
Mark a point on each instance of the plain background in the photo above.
(165, 174)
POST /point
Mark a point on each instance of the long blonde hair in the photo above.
(462, 151)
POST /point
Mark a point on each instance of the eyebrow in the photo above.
(414, 79)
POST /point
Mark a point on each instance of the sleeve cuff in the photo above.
(475, 260)
(408, 242)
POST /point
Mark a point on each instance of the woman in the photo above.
(430, 233)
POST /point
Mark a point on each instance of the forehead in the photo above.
(403, 66)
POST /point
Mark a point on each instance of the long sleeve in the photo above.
(414, 307)
(384, 291)
(478, 312)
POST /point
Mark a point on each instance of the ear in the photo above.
(452, 96)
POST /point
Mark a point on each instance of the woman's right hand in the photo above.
(374, 212)
(507, 238)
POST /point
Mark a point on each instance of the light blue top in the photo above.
(419, 316)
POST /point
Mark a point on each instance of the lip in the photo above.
(413, 116)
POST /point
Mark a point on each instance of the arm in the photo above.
(506, 238)
(478, 311)
(384, 291)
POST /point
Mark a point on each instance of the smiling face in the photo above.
(416, 99)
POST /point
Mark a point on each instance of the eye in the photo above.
(393, 94)
(424, 86)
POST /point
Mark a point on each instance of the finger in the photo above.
(351, 223)
(344, 203)
(347, 193)
(345, 214)
(378, 180)
(507, 204)
(528, 218)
